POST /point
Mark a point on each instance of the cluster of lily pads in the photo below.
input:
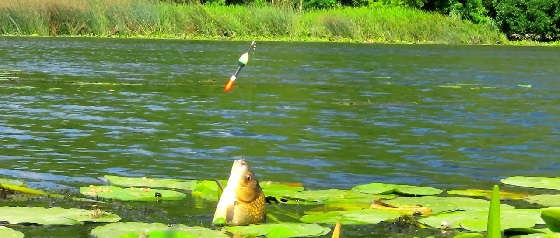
(454, 210)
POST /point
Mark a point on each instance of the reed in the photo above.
(145, 18)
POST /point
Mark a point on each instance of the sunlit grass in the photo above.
(146, 18)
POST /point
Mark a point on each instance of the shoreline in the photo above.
(289, 40)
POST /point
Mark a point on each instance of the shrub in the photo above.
(529, 19)
(472, 10)
(319, 4)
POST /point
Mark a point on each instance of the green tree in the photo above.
(529, 19)
(472, 10)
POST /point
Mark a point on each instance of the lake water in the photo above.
(324, 114)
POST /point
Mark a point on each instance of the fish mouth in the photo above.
(239, 169)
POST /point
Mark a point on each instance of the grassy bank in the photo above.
(159, 19)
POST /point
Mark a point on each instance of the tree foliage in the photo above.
(529, 19)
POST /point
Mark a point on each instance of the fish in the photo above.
(242, 201)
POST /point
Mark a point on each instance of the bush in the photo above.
(529, 19)
(472, 10)
(319, 4)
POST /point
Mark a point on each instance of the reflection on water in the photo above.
(327, 115)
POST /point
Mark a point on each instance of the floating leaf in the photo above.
(524, 231)
(131, 194)
(539, 235)
(384, 188)
(477, 220)
(486, 193)
(54, 216)
(469, 235)
(365, 216)
(12, 182)
(550, 200)
(533, 182)
(277, 189)
(159, 234)
(280, 230)
(129, 229)
(23, 189)
(551, 216)
(6, 232)
(208, 189)
(151, 182)
(444, 204)
(403, 209)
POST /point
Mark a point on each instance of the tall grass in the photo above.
(162, 19)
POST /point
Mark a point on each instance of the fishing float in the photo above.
(243, 60)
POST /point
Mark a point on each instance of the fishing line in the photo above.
(249, 96)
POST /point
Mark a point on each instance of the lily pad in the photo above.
(549, 200)
(477, 220)
(128, 229)
(11, 181)
(445, 204)
(277, 189)
(6, 232)
(551, 216)
(280, 230)
(402, 209)
(151, 182)
(365, 216)
(23, 189)
(469, 235)
(54, 216)
(159, 234)
(486, 193)
(385, 188)
(208, 189)
(131, 194)
(539, 235)
(533, 182)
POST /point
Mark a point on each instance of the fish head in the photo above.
(246, 185)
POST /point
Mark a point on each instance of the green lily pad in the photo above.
(131, 194)
(538, 233)
(365, 216)
(549, 200)
(551, 216)
(332, 197)
(524, 231)
(159, 234)
(486, 193)
(22, 189)
(477, 220)
(12, 182)
(469, 235)
(208, 189)
(385, 188)
(129, 229)
(6, 232)
(54, 216)
(277, 189)
(445, 204)
(151, 182)
(533, 182)
(280, 230)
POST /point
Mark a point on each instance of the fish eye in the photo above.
(248, 178)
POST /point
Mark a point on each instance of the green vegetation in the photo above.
(494, 227)
(125, 18)
(433, 212)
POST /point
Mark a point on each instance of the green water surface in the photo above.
(327, 115)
